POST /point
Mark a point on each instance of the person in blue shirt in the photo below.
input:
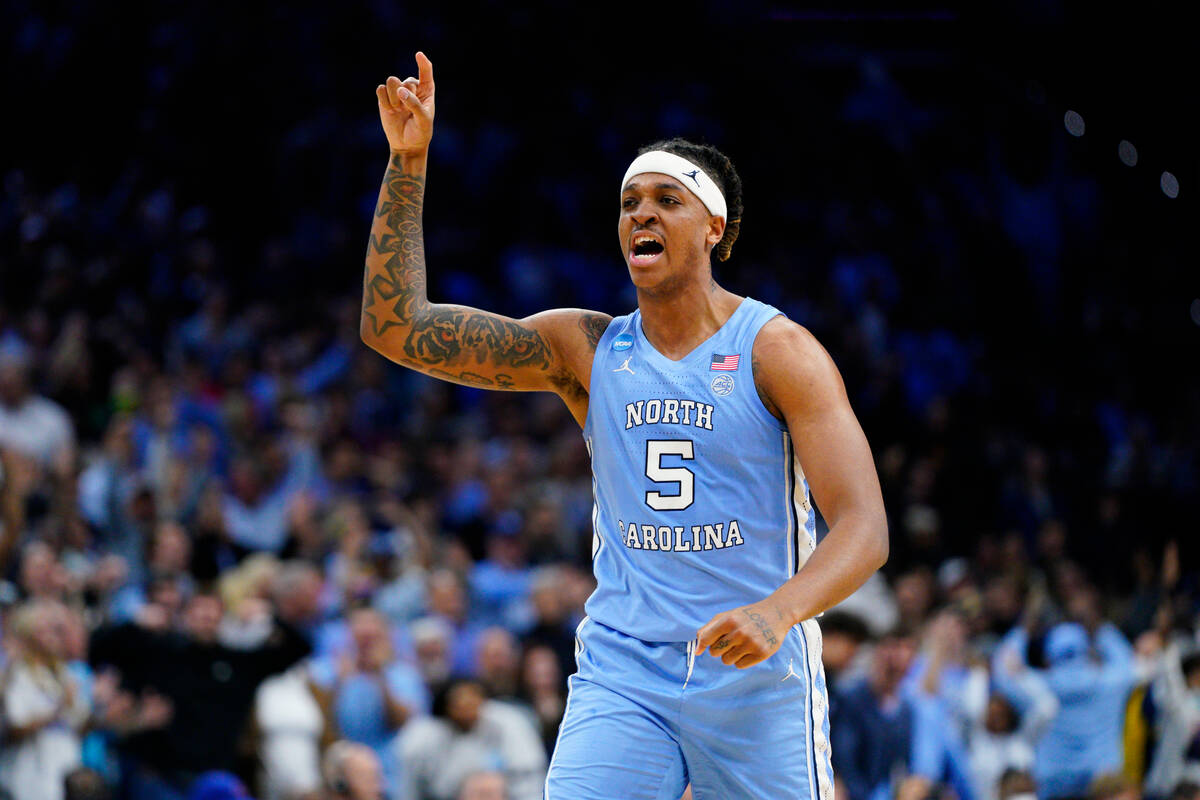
(707, 416)
(373, 691)
(888, 729)
(1091, 675)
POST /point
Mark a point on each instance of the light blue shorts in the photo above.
(644, 719)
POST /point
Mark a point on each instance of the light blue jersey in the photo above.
(700, 502)
(701, 507)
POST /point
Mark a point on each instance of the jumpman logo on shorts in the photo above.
(625, 367)
(791, 673)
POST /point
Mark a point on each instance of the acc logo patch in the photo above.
(722, 385)
(623, 342)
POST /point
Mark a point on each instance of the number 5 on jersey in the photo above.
(684, 477)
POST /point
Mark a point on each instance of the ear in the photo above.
(716, 231)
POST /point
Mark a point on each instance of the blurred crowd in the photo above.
(242, 555)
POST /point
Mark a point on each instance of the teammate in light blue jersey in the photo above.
(708, 417)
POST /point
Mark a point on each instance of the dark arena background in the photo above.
(232, 535)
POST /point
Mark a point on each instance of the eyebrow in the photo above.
(666, 185)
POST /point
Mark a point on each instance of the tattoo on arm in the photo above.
(447, 334)
(763, 628)
(593, 326)
(395, 296)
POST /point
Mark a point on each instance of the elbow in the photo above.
(367, 335)
(882, 546)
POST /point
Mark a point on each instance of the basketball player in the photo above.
(708, 417)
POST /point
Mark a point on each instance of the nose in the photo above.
(643, 215)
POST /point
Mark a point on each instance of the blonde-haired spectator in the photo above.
(43, 705)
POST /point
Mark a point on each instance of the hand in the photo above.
(152, 617)
(155, 711)
(1170, 565)
(406, 110)
(745, 636)
(118, 712)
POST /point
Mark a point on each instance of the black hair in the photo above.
(718, 167)
(82, 783)
(1190, 663)
(835, 622)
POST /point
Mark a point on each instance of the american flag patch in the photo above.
(727, 363)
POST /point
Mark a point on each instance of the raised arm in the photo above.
(550, 351)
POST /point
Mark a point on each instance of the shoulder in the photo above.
(791, 366)
(422, 736)
(573, 335)
(47, 410)
(569, 328)
(781, 338)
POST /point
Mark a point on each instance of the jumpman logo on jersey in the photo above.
(693, 175)
(625, 367)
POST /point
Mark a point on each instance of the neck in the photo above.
(677, 319)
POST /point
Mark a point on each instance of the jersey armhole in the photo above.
(757, 402)
(604, 341)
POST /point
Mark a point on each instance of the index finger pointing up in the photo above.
(425, 69)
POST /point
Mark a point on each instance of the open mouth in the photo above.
(645, 248)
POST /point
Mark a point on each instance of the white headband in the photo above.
(687, 173)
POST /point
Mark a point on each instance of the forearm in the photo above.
(855, 547)
(451, 342)
(394, 280)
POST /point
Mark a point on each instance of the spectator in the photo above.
(210, 686)
(448, 602)
(292, 726)
(842, 637)
(43, 705)
(1176, 694)
(30, 424)
(1090, 677)
(41, 576)
(373, 692)
(500, 583)
(499, 664)
(472, 734)
(352, 772)
(432, 638)
(551, 623)
(543, 690)
(884, 734)
(1003, 739)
